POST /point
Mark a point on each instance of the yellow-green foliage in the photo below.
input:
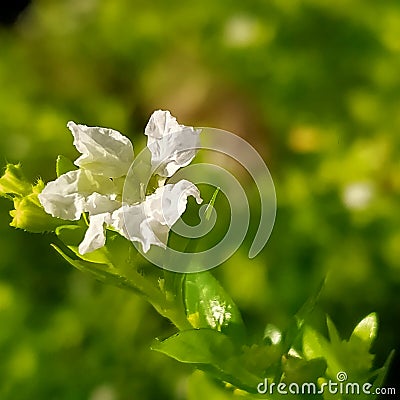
(313, 85)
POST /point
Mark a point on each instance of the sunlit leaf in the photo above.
(350, 356)
(64, 165)
(367, 329)
(209, 306)
(333, 333)
(210, 351)
(317, 346)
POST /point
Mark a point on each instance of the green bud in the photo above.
(30, 215)
(14, 183)
(38, 187)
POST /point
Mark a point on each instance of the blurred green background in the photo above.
(313, 86)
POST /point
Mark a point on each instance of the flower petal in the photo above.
(150, 221)
(98, 203)
(172, 146)
(95, 235)
(66, 196)
(132, 223)
(168, 202)
(104, 151)
(60, 198)
(161, 123)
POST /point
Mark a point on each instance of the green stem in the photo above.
(171, 309)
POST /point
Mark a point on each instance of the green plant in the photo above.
(91, 209)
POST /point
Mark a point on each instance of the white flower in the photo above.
(172, 146)
(104, 151)
(149, 222)
(95, 236)
(96, 187)
(72, 194)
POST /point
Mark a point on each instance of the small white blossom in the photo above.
(149, 222)
(172, 146)
(96, 187)
(104, 151)
(68, 196)
(168, 202)
(95, 236)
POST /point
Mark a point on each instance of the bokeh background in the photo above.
(313, 86)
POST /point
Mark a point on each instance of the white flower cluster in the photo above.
(96, 187)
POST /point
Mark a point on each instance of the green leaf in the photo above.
(209, 306)
(333, 333)
(196, 346)
(352, 356)
(366, 330)
(299, 370)
(72, 235)
(293, 332)
(309, 305)
(381, 373)
(210, 205)
(316, 346)
(263, 360)
(201, 387)
(64, 165)
(212, 352)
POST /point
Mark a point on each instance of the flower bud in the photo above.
(13, 182)
(30, 215)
